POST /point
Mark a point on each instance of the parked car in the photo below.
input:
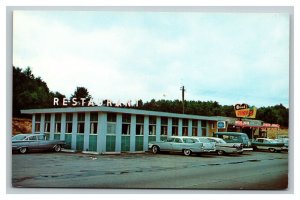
(186, 145)
(208, 145)
(26, 142)
(235, 137)
(283, 139)
(222, 147)
(268, 144)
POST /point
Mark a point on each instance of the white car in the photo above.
(184, 144)
(223, 147)
(208, 146)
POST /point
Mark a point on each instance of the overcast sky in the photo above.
(223, 57)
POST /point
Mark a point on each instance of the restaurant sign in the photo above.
(244, 111)
(268, 125)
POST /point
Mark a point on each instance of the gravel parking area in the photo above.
(253, 170)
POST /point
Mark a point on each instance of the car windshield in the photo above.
(245, 138)
(19, 137)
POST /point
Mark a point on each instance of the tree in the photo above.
(29, 91)
(79, 93)
(56, 95)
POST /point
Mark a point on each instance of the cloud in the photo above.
(222, 57)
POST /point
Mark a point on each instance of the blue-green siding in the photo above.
(79, 142)
(125, 144)
(110, 143)
(68, 140)
(139, 143)
(93, 143)
(57, 136)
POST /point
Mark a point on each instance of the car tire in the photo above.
(23, 150)
(187, 152)
(272, 150)
(155, 149)
(220, 152)
(57, 148)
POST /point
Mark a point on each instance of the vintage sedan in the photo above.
(223, 147)
(26, 142)
(186, 145)
(268, 144)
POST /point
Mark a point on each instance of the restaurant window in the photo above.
(185, 131)
(57, 123)
(203, 131)
(152, 125)
(80, 123)
(164, 130)
(185, 124)
(69, 122)
(126, 119)
(139, 130)
(111, 123)
(111, 117)
(37, 122)
(164, 126)
(93, 122)
(175, 126)
(164, 121)
(47, 123)
(111, 128)
(194, 127)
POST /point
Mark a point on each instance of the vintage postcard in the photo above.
(141, 99)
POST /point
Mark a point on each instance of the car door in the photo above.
(177, 145)
(33, 142)
(167, 145)
(43, 143)
(261, 144)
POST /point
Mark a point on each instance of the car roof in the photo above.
(214, 138)
(182, 137)
(230, 133)
(30, 134)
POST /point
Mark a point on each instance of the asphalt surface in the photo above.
(253, 171)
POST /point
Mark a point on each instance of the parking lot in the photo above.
(252, 170)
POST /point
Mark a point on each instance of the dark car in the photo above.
(235, 137)
(26, 142)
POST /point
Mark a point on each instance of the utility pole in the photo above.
(183, 90)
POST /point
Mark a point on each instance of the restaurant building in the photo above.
(104, 129)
